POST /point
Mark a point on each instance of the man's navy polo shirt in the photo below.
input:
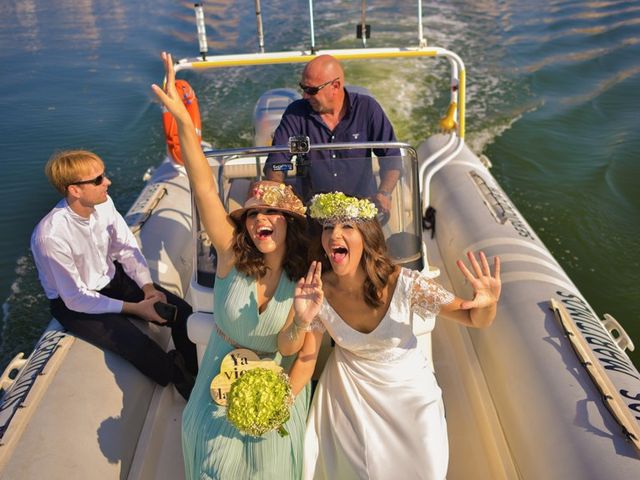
(364, 121)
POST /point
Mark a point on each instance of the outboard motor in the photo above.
(268, 112)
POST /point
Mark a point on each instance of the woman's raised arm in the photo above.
(215, 220)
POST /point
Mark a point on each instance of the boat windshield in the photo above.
(235, 170)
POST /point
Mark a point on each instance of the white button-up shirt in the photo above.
(75, 255)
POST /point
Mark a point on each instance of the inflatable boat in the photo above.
(547, 392)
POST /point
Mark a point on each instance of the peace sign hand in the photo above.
(308, 295)
(486, 287)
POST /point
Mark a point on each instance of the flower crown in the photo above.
(337, 207)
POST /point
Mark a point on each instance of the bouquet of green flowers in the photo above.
(259, 402)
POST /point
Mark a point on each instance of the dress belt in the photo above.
(235, 344)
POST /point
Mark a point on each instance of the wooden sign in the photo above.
(232, 367)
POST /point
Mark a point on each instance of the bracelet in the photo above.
(306, 327)
(296, 328)
(385, 193)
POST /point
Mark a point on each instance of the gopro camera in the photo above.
(299, 144)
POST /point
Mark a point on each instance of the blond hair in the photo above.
(67, 167)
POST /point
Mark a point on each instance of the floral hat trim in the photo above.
(279, 196)
(336, 207)
(267, 194)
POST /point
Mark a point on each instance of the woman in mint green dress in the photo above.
(261, 252)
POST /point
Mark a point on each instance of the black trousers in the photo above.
(117, 333)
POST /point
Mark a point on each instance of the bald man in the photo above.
(329, 113)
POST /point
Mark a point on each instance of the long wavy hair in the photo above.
(375, 261)
(250, 261)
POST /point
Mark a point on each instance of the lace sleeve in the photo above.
(316, 325)
(427, 296)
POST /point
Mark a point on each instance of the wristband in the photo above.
(296, 328)
(306, 327)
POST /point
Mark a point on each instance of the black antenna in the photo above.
(363, 30)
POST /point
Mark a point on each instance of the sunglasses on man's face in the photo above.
(94, 181)
(314, 90)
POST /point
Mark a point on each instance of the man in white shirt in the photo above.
(96, 277)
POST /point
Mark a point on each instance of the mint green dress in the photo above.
(212, 447)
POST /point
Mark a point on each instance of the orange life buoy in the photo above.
(169, 123)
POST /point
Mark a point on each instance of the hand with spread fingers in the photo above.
(486, 287)
(169, 96)
(308, 295)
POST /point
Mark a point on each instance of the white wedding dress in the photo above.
(377, 410)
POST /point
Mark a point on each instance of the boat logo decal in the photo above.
(605, 349)
(281, 167)
(14, 398)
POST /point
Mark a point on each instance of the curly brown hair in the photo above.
(375, 261)
(250, 261)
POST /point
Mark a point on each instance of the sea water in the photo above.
(553, 90)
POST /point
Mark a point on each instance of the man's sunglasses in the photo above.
(314, 90)
(95, 181)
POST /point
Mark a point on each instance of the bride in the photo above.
(377, 411)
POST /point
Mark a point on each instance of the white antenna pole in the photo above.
(202, 33)
(363, 24)
(313, 35)
(421, 40)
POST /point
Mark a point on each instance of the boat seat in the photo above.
(245, 170)
(238, 189)
(236, 179)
